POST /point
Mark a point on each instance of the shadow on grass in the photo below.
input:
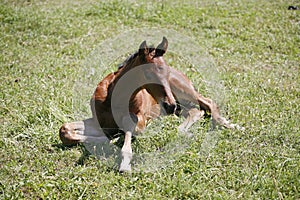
(108, 154)
(85, 153)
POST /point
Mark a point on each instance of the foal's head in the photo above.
(155, 73)
(150, 71)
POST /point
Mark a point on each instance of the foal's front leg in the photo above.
(126, 151)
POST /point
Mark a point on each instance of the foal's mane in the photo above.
(128, 60)
(133, 56)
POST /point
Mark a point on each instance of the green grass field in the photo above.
(47, 50)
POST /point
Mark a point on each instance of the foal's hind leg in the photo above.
(213, 108)
(191, 116)
(81, 131)
(183, 89)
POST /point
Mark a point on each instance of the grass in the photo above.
(46, 50)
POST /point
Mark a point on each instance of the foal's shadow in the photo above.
(106, 151)
(85, 153)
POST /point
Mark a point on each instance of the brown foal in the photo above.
(143, 88)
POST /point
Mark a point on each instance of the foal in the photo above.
(125, 100)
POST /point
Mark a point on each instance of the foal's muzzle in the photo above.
(169, 108)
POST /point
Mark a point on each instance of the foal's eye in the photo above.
(160, 67)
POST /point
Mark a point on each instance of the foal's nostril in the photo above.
(169, 108)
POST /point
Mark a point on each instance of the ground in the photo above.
(47, 47)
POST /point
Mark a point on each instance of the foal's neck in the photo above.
(128, 81)
(132, 63)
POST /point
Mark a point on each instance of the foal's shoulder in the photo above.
(101, 91)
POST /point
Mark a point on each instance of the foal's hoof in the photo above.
(125, 165)
(184, 132)
(65, 135)
(237, 127)
(125, 168)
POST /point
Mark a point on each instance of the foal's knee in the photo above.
(65, 134)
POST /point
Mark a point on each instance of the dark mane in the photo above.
(128, 60)
(132, 57)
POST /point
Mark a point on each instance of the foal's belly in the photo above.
(105, 119)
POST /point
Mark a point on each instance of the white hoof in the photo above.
(125, 165)
(237, 127)
(125, 168)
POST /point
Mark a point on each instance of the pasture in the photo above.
(52, 56)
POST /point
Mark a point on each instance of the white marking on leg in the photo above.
(126, 153)
(193, 115)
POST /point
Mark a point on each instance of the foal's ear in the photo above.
(143, 49)
(162, 47)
